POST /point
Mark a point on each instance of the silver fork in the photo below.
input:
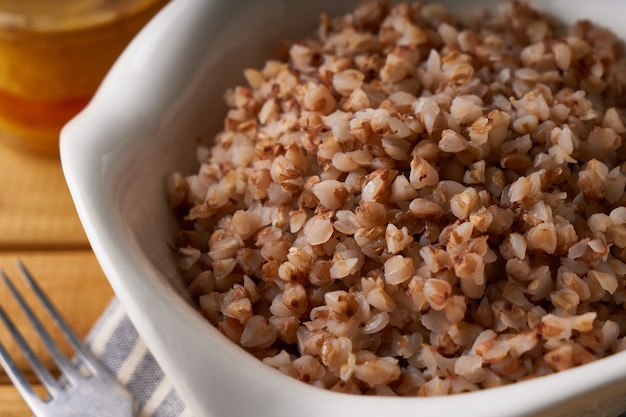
(98, 394)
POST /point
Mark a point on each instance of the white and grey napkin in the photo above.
(116, 342)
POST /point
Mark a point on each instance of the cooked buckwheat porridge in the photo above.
(417, 203)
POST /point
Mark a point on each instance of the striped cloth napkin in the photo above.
(116, 342)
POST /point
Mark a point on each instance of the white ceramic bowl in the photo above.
(163, 93)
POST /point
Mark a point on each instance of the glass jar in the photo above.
(53, 56)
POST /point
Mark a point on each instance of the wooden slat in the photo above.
(38, 224)
(73, 281)
(12, 405)
(76, 285)
(35, 205)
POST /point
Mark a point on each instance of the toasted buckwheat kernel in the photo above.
(415, 203)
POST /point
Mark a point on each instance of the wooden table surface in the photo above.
(39, 225)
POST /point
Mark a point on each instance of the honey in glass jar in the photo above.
(53, 56)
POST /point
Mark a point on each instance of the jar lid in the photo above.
(64, 15)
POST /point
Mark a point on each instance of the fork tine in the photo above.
(62, 362)
(81, 350)
(19, 380)
(40, 370)
(100, 393)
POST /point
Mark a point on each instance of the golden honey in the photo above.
(53, 56)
